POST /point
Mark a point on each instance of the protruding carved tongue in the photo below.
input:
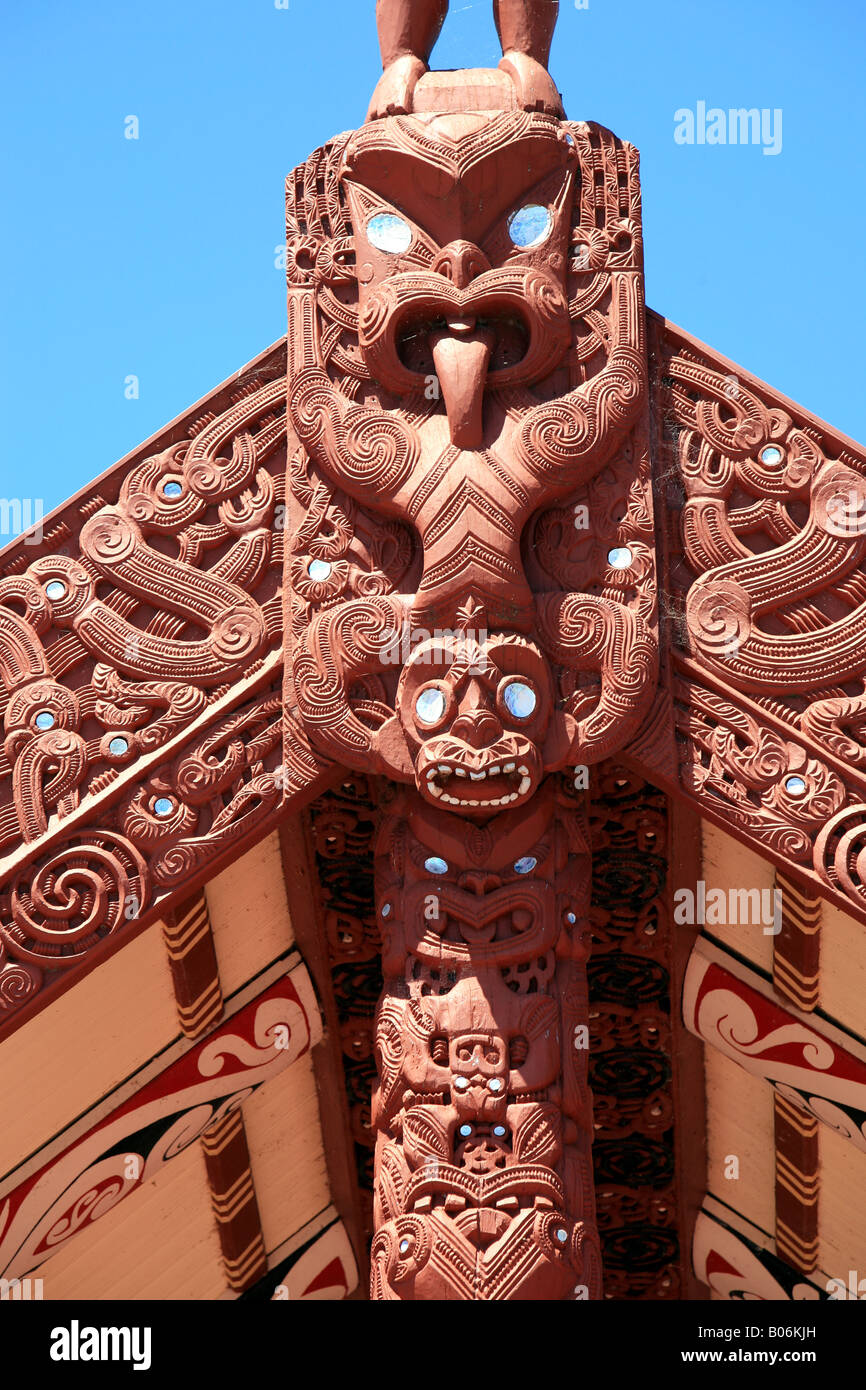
(461, 354)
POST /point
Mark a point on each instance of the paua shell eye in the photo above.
(390, 233)
(430, 705)
(530, 226)
(525, 865)
(519, 699)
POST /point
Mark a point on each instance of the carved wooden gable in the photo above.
(487, 525)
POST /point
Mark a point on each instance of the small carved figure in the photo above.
(408, 29)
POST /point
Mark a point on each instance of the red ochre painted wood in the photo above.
(456, 484)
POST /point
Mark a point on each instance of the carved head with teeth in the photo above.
(479, 720)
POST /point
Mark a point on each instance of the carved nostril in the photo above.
(461, 262)
(479, 729)
(479, 882)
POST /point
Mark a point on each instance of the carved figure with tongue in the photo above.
(465, 348)
(466, 371)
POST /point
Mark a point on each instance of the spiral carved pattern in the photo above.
(768, 574)
(64, 903)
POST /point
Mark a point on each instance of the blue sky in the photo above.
(155, 257)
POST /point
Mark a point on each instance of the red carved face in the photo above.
(475, 715)
(463, 280)
(479, 1075)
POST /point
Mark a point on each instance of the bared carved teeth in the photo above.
(472, 801)
(521, 783)
(462, 325)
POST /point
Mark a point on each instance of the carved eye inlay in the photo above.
(430, 705)
(620, 557)
(390, 233)
(519, 699)
(530, 226)
(318, 570)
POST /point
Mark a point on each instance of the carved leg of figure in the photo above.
(525, 30)
(408, 30)
(343, 644)
(585, 632)
(483, 1177)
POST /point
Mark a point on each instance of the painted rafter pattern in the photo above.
(813, 1064)
(128, 1141)
(736, 1261)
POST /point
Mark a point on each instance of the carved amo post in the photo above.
(471, 609)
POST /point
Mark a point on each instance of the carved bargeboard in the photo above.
(139, 653)
(469, 603)
(766, 609)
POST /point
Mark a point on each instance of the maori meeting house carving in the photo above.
(395, 722)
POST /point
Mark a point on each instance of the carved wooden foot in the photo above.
(394, 92)
(536, 89)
